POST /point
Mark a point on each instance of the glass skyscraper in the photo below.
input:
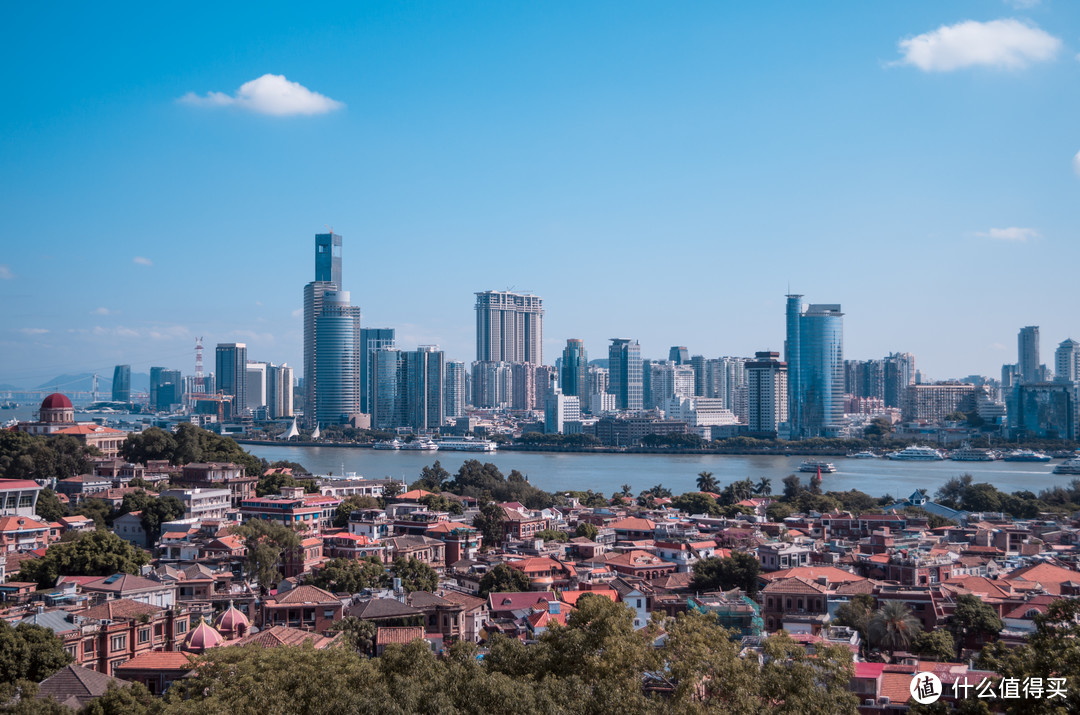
(337, 359)
(624, 365)
(575, 369)
(371, 339)
(815, 356)
(328, 258)
(121, 383)
(231, 373)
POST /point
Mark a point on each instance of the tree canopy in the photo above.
(503, 578)
(350, 575)
(415, 575)
(92, 553)
(740, 570)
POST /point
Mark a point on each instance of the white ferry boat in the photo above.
(1069, 466)
(972, 454)
(392, 444)
(1026, 455)
(421, 445)
(864, 455)
(814, 465)
(917, 454)
(466, 444)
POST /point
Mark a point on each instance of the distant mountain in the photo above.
(10, 388)
(600, 362)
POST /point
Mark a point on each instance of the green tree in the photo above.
(152, 443)
(589, 531)
(154, 510)
(490, 523)
(981, 497)
(740, 570)
(503, 578)
(266, 543)
(879, 428)
(437, 502)
(351, 504)
(706, 482)
(95, 553)
(350, 575)
(432, 478)
(26, 456)
(893, 626)
(937, 644)
(359, 634)
(778, 511)
(49, 506)
(415, 575)
(763, 487)
(29, 653)
(553, 535)
(97, 509)
(792, 487)
(132, 699)
(973, 619)
(856, 614)
(696, 503)
(793, 681)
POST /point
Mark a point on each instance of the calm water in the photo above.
(608, 472)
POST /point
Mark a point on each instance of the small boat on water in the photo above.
(814, 465)
(420, 445)
(1069, 466)
(916, 453)
(863, 455)
(466, 444)
(972, 454)
(1026, 455)
(392, 444)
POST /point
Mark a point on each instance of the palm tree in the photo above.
(893, 626)
(742, 489)
(706, 482)
(764, 487)
(626, 490)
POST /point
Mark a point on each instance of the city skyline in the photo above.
(828, 150)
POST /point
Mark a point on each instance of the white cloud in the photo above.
(142, 261)
(1004, 44)
(1013, 233)
(269, 94)
(1076, 163)
(100, 311)
(297, 313)
(5, 273)
(33, 331)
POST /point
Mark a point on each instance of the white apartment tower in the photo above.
(767, 393)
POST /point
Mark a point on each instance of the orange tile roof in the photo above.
(572, 597)
(386, 636)
(306, 594)
(1048, 575)
(17, 523)
(122, 608)
(158, 660)
(89, 429)
(895, 687)
(633, 523)
(414, 495)
(831, 573)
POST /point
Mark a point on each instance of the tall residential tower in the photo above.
(815, 357)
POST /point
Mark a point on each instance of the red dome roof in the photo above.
(201, 638)
(233, 621)
(56, 401)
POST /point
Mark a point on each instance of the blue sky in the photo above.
(656, 171)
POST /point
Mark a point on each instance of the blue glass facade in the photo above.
(815, 352)
(337, 359)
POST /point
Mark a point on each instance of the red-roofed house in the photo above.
(21, 533)
(156, 670)
(641, 564)
(18, 497)
(1055, 580)
(305, 607)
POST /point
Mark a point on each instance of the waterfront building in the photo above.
(814, 353)
(700, 373)
(668, 379)
(864, 378)
(1067, 361)
(492, 385)
(1010, 377)
(898, 372)
(624, 364)
(454, 386)
(509, 327)
(647, 402)
(155, 380)
(166, 388)
(337, 359)
(575, 369)
(601, 403)
(279, 391)
(388, 403)
(599, 380)
(932, 403)
(560, 409)
(256, 385)
(523, 387)
(1028, 353)
(698, 411)
(218, 475)
(1043, 410)
(231, 372)
(767, 398)
(679, 355)
(371, 339)
(545, 379)
(424, 388)
(328, 247)
(200, 503)
(121, 383)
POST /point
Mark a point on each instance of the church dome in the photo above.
(201, 638)
(233, 622)
(56, 401)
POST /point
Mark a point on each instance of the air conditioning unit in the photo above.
(883, 700)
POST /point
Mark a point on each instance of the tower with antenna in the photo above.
(200, 381)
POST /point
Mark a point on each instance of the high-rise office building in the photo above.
(898, 373)
(1067, 361)
(668, 379)
(599, 380)
(523, 387)
(454, 382)
(256, 384)
(155, 380)
(328, 258)
(327, 278)
(492, 385)
(698, 362)
(1028, 352)
(509, 327)
(337, 359)
(121, 383)
(815, 357)
(170, 390)
(575, 369)
(624, 364)
(279, 391)
(424, 388)
(767, 399)
(679, 355)
(388, 400)
(371, 339)
(231, 373)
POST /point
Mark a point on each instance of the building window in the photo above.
(118, 643)
(144, 635)
(88, 647)
(181, 627)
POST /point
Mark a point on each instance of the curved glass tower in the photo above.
(337, 359)
(815, 353)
